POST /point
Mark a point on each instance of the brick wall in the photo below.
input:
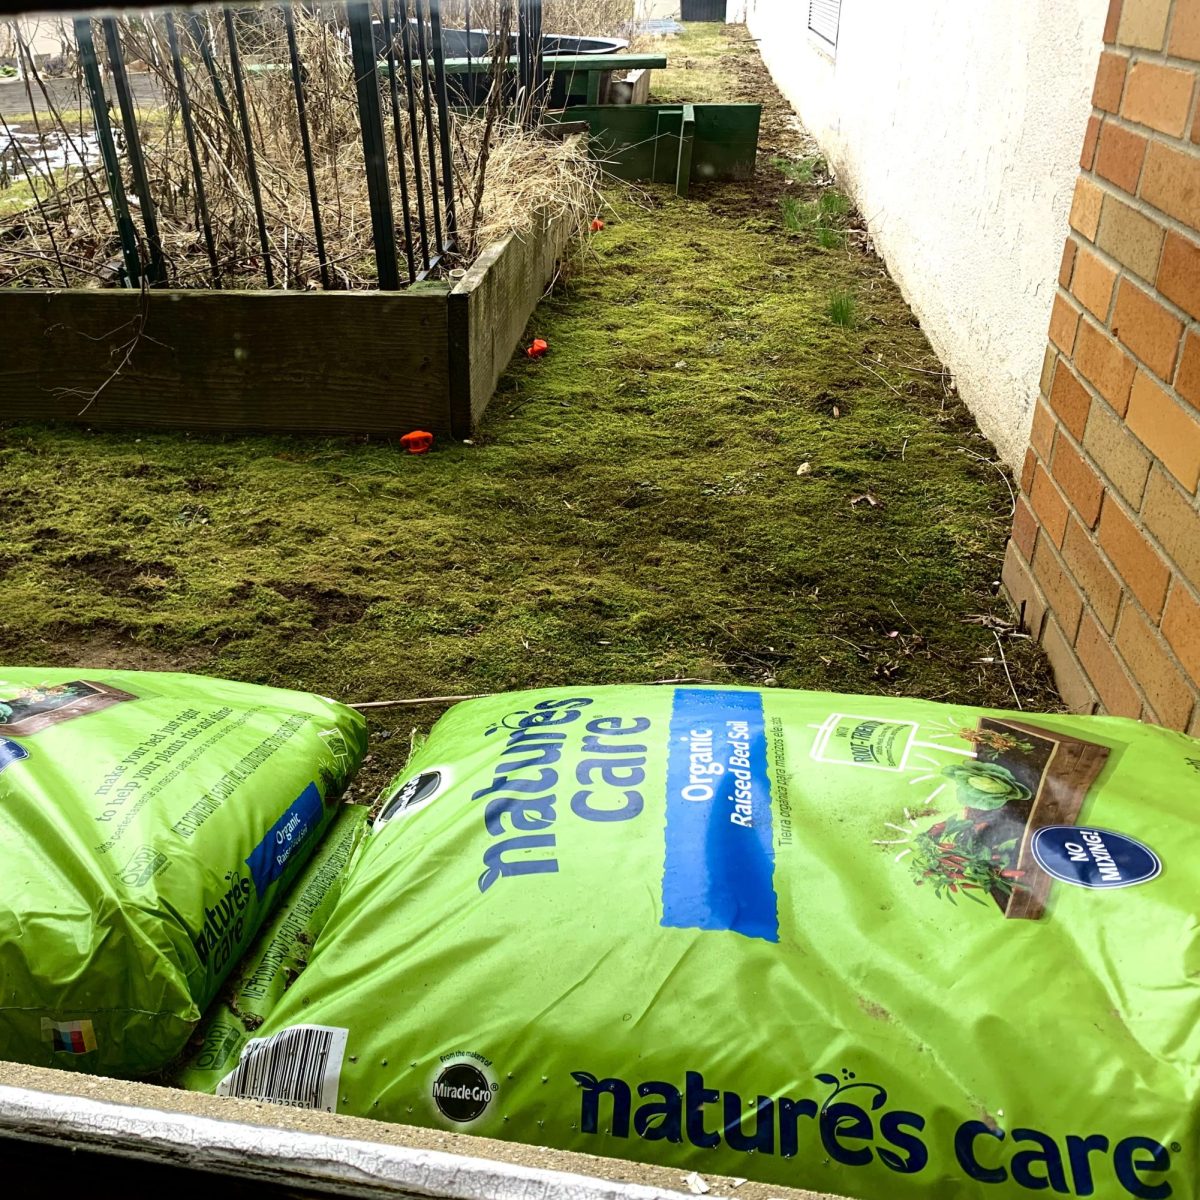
(1104, 560)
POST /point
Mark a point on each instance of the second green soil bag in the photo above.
(148, 823)
(871, 946)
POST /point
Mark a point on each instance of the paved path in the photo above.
(14, 99)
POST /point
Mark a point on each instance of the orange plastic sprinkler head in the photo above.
(538, 348)
(417, 442)
(597, 225)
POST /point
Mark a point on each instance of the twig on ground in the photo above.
(1007, 672)
(999, 470)
(924, 370)
(904, 618)
(881, 379)
(858, 649)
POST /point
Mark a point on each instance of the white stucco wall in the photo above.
(957, 127)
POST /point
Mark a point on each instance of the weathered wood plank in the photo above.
(458, 319)
(502, 289)
(339, 362)
(633, 89)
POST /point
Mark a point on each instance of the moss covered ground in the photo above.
(707, 477)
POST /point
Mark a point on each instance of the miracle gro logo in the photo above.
(463, 1088)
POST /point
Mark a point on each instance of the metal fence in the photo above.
(267, 127)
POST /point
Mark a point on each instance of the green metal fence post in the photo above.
(108, 150)
(155, 271)
(366, 76)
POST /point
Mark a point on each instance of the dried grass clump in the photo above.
(504, 176)
(529, 175)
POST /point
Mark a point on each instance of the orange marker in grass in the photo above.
(417, 442)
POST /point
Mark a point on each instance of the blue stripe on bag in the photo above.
(270, 857)
(720, 855)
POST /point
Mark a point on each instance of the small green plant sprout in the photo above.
(830, 239)
(833, 205)
(842, 309)
(797, 215)
(797, 170)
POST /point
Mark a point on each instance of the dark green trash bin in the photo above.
(703, 10)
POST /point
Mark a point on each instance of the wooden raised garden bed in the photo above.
(318, 362)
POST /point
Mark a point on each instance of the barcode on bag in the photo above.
(300, 1066)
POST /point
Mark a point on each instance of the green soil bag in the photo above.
(866, 945)
(274, 960)
(149, 822)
